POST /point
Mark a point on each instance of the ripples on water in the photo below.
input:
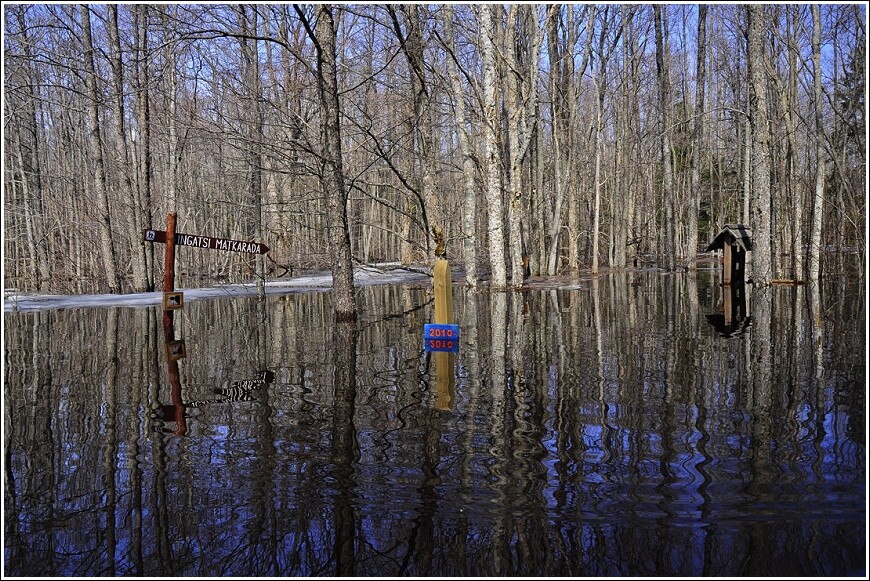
(606, 430)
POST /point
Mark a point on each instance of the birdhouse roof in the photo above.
(732, 234)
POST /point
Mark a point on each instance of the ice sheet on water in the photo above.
(388, 273)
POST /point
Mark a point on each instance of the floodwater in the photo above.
(639, 424)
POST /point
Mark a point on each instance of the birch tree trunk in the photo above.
(794, 192)
(31, 166)
(596, 185)
(107, 243)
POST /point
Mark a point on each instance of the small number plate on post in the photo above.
(441, 337)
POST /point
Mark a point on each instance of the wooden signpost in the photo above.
(209, 242)
(442, 337)
(171, 299)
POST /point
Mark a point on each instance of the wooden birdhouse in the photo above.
(734, 242)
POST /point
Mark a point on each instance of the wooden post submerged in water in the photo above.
(443, 293)
(445, 382)
(169, 256)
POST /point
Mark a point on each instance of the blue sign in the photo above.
(441, 337)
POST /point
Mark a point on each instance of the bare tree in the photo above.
(489, 16)
(142, 142)
(332, 184)
(122, 151)
(107, 241)
(819, 189)
(522, 103)
(698, 121)
(760, 199)
(664, 88)
(469, 214)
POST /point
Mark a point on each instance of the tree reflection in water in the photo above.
(603, 430)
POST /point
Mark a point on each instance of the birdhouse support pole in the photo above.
(726, 265)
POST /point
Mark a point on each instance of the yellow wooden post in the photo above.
(445, 382)
(443, 293)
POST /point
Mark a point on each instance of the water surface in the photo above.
(618, 426)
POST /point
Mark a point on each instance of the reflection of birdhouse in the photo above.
(734, 317)
(734, 242)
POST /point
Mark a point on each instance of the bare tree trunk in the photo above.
(558, 113)
(253, 132)
(761, 259)
(142, 111)
(664, 86)
(31, 217)
(596, 185)
(522, 103)
(814, 266)
(698, 131)
(469, 214)
(122, 153)
(794, 192)
(747, 168)
(491, 13)
(332, 172)
(107, 242)
(564, 79)
(622, 211)
(31, 168)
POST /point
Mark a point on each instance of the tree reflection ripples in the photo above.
(603, 430)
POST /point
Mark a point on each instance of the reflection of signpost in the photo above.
(173, 300)
(209, 242)
(264, 378)
(176, 350)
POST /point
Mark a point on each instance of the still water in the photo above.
(621, 426)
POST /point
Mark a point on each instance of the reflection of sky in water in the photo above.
(617, 450)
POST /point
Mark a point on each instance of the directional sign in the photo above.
(441, 337)
(206, 242)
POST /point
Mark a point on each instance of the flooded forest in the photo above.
(529, 138)
(226, 227)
